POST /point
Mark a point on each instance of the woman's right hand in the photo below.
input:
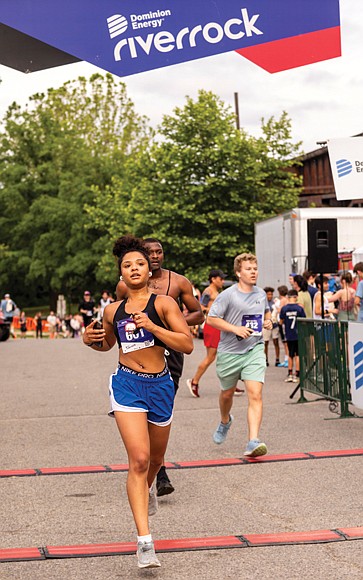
(92, 334)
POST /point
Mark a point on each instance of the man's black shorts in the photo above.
(293, 347)
(175, 362)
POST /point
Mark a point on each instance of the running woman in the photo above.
(241, 313)
(141, 390)
(164, 281)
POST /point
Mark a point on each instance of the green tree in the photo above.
(203, 185)
(53, 153)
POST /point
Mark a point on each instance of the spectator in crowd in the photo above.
(358, 269)
(105, 300)
(345, 298)
(282, 301)
(52, 325)
(87, 308)
(328, 310)
(310, 278)
(303, 297)
(22, 322)
(288, 317)
(8, 308)
(38, 325)
(75, 323)
(291, 279)
(274, 332)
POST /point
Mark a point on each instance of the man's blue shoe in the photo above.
(219, 436)
(255, 448)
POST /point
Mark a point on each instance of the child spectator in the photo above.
(282, 301)
(288, 317)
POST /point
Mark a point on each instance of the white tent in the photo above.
(357, 255)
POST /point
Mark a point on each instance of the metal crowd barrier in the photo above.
(324, 368)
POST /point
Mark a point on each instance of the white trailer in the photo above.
(281, 242)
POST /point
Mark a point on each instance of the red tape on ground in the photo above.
(184, 464)
(293, 538)
(184, 544)
(20, 554)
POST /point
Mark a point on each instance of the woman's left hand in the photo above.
(142, 320)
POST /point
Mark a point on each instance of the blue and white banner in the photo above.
(355, 341)
(126, 37)
(346, 162)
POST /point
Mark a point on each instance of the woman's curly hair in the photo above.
(129, 243)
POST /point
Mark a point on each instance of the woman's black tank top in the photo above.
(150, 310)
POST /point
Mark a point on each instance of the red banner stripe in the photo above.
(296, 51)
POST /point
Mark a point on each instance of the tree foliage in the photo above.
(79, 167)
(52, 154)
(203, 185)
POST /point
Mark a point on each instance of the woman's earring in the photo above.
(150, 274)
(121, 278)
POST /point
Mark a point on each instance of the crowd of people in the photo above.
(54, 325)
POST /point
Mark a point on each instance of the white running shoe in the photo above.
(146, 557)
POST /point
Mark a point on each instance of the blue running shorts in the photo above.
(132, 392)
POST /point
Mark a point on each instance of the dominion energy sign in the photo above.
(126, 37)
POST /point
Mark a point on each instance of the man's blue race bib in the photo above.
(133, 338)
(253, 321)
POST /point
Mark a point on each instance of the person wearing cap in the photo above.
(241, 313)
(211, 335)
(86, 308)
(8, 308)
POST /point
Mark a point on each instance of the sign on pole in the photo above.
(346, 162)
(126, 37)
(355, 341)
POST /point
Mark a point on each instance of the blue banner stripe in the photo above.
(358, 371)
(358, 358)
(358, 346)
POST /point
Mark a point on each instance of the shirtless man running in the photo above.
(178, 287)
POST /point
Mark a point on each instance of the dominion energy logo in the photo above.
(165, 41)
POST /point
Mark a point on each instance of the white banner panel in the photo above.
(346, 161)
(355, 342)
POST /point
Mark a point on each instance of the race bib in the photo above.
(133, 338)
(253, 321)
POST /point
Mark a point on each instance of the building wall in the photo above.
(318, 186)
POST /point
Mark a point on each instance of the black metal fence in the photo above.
(324, 368)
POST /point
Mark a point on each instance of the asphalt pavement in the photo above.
(54, 403)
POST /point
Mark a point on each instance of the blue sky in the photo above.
(324, 100)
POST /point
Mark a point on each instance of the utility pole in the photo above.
(236, 106)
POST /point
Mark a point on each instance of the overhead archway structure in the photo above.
(125, 37)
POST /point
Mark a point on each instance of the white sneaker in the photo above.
(146, 557)
(290, 379)
(153, 500)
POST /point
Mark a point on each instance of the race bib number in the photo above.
(253, 321)
(133, 338)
